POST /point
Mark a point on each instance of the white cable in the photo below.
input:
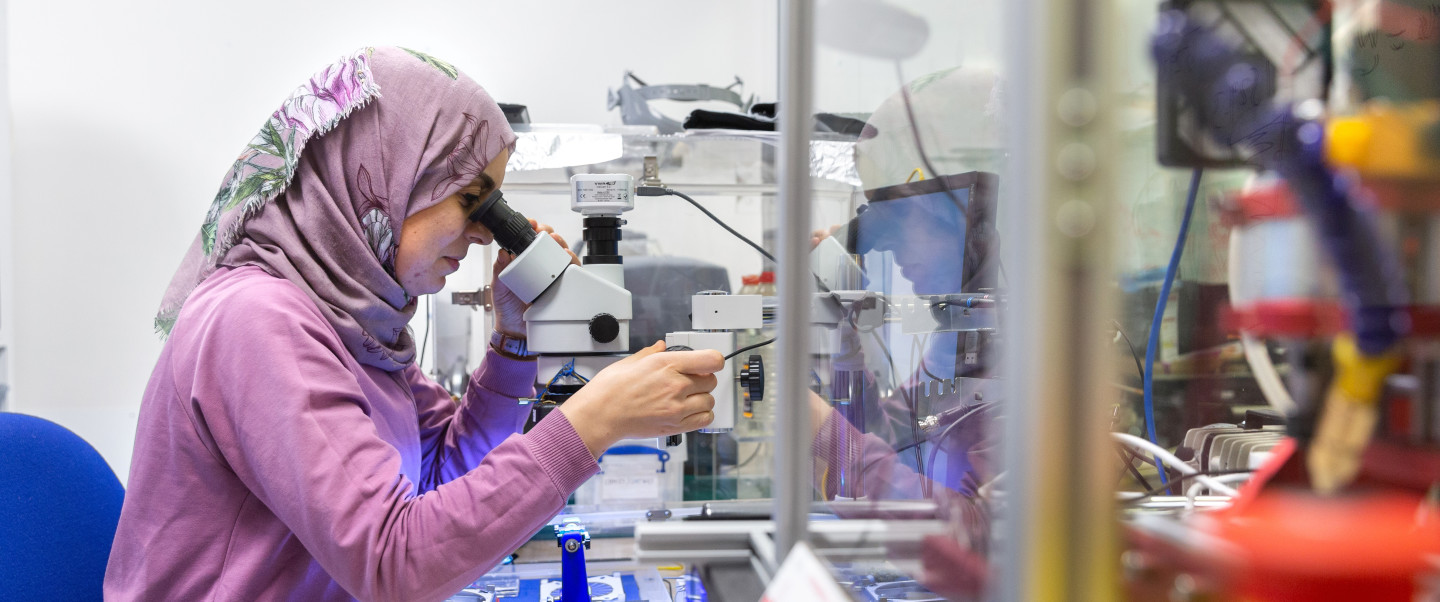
(988, 489)
(1265, 374)
(1195, 488)
(1177, 463)
(1263, 369)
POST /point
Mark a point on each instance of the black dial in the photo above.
(604, 328)
(752, 378)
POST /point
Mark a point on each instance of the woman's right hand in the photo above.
(649, 394)
(819, 236)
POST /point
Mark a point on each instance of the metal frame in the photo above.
(792, 475)
(750, 542)
(1056, 539)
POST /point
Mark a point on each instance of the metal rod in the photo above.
(825, 189)
(1056, 537)
(1023, 62)
(793, 461)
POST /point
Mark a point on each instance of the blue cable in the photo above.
(1154, 344)
(567, 370)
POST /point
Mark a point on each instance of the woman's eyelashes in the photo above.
(469, 201)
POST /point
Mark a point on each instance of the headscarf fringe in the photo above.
(224, 241)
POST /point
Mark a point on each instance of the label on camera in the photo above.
(601, 192)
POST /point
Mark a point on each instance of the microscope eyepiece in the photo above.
(511, 229)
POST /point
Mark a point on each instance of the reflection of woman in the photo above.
(923, 236)
(934, 250)
(914, 241)
(289, 447)
(924, 233)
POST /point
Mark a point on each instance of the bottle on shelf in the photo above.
(767, 284)
(749, 284)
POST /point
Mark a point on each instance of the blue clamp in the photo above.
(573, 540)
(635, 450)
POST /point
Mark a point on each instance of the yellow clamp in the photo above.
(1386, 141)
(1361, 376)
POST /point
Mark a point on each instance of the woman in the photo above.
(288, 445)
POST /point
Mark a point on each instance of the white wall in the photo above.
(127, 114)
(961, 32)
(7, 219)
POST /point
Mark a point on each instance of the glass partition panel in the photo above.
(1094, 290)
(908, 304)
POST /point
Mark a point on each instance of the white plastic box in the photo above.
(633, 475)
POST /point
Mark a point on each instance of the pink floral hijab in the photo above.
(318, 196)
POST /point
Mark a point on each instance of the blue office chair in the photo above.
(59, 504)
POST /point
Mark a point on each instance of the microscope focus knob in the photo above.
(604, 328)
(752, 377)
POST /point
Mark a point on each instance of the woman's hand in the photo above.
(509, 309)
(819, 236)
(649, 394)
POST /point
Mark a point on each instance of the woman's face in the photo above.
(433, 241)
(927, 244)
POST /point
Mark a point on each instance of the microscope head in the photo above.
(539, 260)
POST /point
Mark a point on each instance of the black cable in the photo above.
(939, 441)
(1156, 490)
(1135, 457)
(890, 359)
(905, 394)
(1129, 461)
(749, 347)
(945, 434)
(919, 146)
(921, 345)
(1138, 365)
(660, 190)
(914, 402)
(753, 455)
(916, 443)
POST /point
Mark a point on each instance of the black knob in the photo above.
(604, 328)
(752, 378)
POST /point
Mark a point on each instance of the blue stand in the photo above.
(574, 582)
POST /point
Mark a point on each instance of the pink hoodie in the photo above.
(269, 464)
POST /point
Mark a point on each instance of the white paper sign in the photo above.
(804, 577)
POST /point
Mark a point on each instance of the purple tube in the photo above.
(1232, 93)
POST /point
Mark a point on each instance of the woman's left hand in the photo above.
(509, 309)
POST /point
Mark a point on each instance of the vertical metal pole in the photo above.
(1056, 540)
(1020, 197)
(792, 480)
